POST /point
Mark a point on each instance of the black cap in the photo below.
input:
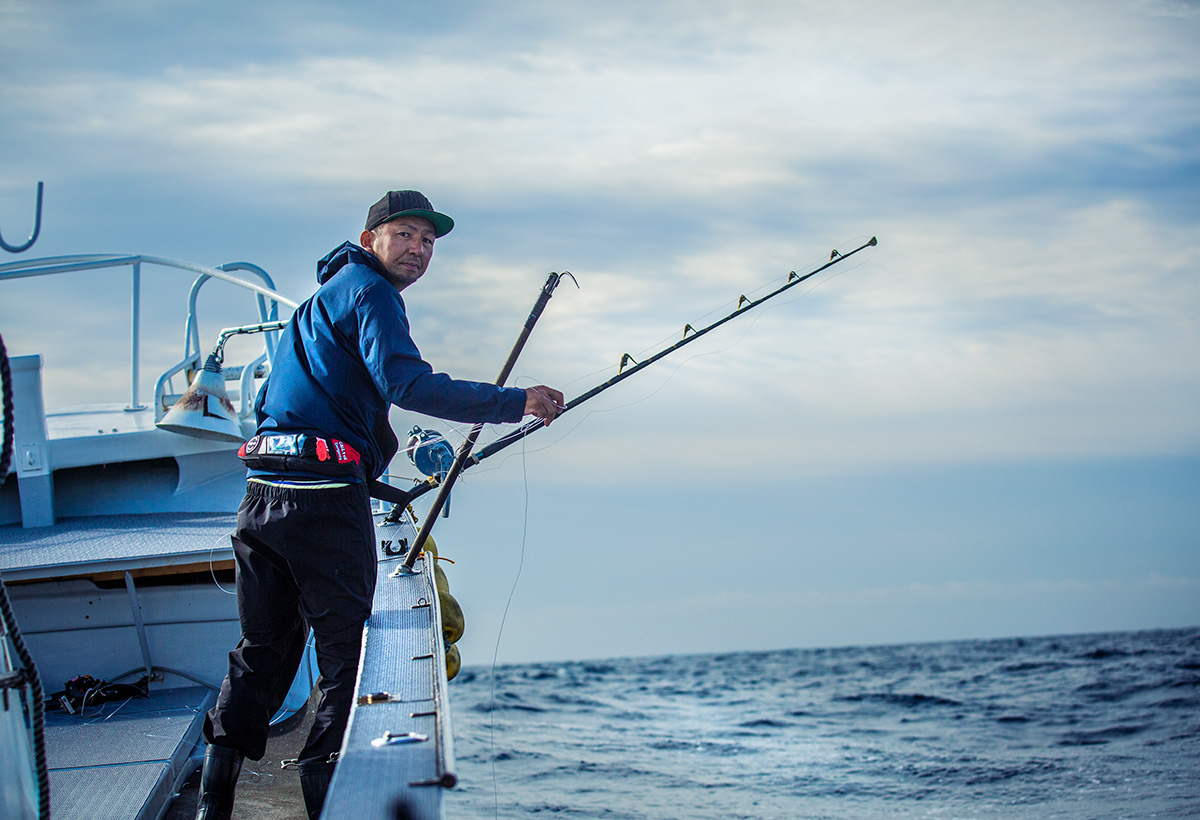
(407, 203)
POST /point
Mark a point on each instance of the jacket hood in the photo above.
(345, 254)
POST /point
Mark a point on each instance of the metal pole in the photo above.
(135, 337)
(139, 624)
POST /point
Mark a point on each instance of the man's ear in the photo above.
(366, 240)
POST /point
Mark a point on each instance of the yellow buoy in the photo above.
(439, 578)
(452, 617)
(453, 662)
(429, 546)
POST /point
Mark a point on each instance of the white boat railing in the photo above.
(268, 301)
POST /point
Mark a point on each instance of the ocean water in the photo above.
(1081, 726)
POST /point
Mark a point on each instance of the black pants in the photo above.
(305, 558)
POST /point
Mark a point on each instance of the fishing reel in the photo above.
(430, 453)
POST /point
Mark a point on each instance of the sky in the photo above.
(988, 425)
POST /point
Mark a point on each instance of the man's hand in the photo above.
(543, 402)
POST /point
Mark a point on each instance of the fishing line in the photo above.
(678, 365)
(500, 631)
(212, 569)
(653, 347)
(465, 459)
(525, 514)
(580, 421)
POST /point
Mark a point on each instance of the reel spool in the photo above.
(430, 453)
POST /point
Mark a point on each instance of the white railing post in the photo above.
(135, 337)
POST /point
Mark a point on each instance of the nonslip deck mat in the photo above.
(75, 546)
(123, 760)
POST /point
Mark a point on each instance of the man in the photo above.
(305, 540)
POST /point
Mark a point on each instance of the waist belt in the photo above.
(300, 452)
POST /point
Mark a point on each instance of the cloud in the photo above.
(1032, 172)
(1008, 340)
(717, 103)
(1034, 272)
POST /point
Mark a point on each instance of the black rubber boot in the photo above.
(314, 783)
(222, 765)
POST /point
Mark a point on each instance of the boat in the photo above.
(116, 561)
(116, 558)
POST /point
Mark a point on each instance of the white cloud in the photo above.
(1061, 341)
(723, 101)
(1029, 168)
(728, 135)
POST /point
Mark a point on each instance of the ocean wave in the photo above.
(1098, 726)
(903, 699)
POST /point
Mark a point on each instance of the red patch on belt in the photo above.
(345, 453)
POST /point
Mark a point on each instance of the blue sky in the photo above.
(988, 425)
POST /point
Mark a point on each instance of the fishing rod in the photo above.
(464, 450)
(744, 305)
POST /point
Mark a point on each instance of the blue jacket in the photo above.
(347, 355)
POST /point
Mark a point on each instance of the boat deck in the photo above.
(129, 760)
(125, 759)
(90, 598)
(77, 547)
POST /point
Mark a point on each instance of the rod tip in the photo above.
(873, 242)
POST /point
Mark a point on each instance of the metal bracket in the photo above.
(389, 739)
(400, 549)
(378, 697)
(138, 623)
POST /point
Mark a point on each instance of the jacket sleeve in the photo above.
(408, 381)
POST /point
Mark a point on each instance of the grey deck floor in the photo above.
(122, 759)
(264, 791)
(79, 546)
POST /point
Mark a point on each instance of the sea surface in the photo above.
(1080, 726)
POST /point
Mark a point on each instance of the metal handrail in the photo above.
(267, 297)
(60, 264)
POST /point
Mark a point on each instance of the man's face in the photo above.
(404, 245)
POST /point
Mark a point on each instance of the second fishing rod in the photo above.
(464, 450)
